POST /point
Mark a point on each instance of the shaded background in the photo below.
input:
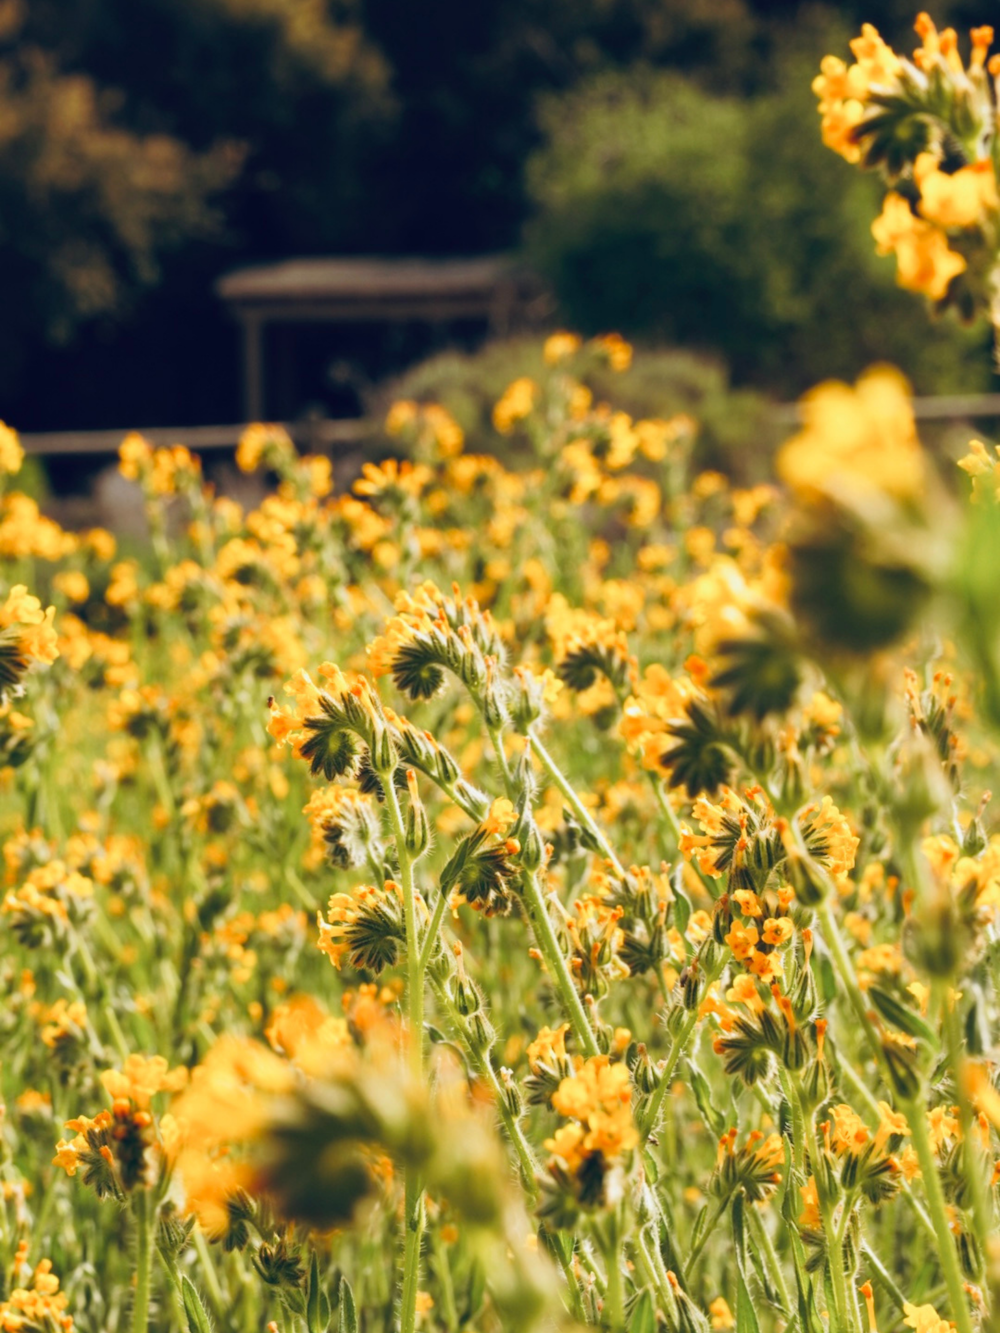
(657, 161)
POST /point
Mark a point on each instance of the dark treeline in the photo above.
(659, 160)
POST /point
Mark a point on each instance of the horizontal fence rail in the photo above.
(328, 432)
(948, 407)
(309, 433)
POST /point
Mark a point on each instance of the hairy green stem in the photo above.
(413, 1218)
(614, 1302)
(143, 1259)
(845, 971)
(480, 1061)
(431, 934)
(974, 1172)
(647, 1120)
(947, 1252)
(767, 1252)
(842, 1311)
(211, 1277)
(555, 961)
(571, 798)
(706, 1231)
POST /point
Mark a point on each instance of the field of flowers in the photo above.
(527, 890)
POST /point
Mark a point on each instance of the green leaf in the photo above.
(746, 1314)
(477, 1289)
(827, 980)
(318, 1307)
(197, 1316)
(900, 1016)
(347, 1311)
(643, 1316)
(682, 903)
(710, 1113)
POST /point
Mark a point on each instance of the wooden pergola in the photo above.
(491, 288)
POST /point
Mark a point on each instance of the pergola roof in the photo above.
(374, 289)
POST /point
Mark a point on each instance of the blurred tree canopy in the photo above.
(713, 221)
(147, 145)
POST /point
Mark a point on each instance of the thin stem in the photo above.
(947, 1253)
(413, 1218)
(670, 815)
(143, 1259)
(835, 1253)
(845, 971)
(974, 1173)
(483, 1066)
(883, 1277)
(647, 1120)
(614, 1302)
(212, 1284)
(659, 1283)
(575, 804)
(496, 739)
(846, 1069)
(766, 1250)
(707, 1229)
(555, 960)
(117, 1036)
(413, 1221)
(431, 934)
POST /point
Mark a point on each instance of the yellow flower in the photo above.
(11, 453)
(877, 62)
(722, 1316)
(924, 1319)
(958, 199)
(501, 818)
(924, 261)
(517, 402)
(856, 439)
(980, 466)
(72, 584)
(810, 1217)
(142, 1078)
(616, 349)
(850, 1134)
(742, 940)
(35, 632)
(549, 1047)
(837, 127)
(559, 346)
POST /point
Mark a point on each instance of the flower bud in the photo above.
(383, 751)
(904, 1075)
(532, 852)
(418, 833)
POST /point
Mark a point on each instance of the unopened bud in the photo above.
(383, 752)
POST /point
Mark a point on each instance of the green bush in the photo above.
(737, 428)
(668, 212)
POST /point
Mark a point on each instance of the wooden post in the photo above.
(253, 366)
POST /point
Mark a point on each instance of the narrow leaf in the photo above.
(347, 1312)
(197, 1316)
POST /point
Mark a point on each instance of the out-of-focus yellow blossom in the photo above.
(616, 349)
(559, 347)
(984, 470)
(33, 628)
(861, 439)
(41, 1306)
(958, 199)
(924, 261)
(11, 453)
(517, 402)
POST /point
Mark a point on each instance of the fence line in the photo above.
(311, 434)
(326, 432)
